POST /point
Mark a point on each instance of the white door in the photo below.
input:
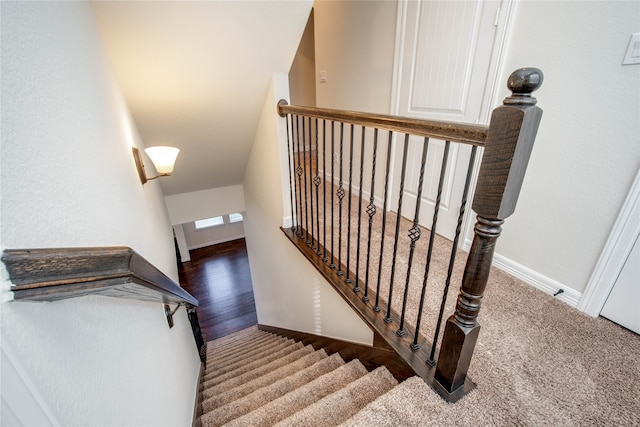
(623, 304)
(446, 65)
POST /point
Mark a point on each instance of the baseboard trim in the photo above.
(537, 280)
(533, 278)
(371, 357)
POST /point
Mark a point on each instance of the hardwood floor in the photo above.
(219, 277)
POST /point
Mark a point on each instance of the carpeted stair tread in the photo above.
(242, 345)
(210, 388)
(292, 402)
(264, 395)
(263, 381)
(231, 339)
(215, 368)
(344, 403)
(387, 409)
(259, 360)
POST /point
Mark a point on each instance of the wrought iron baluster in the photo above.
(304, 223)
(299, 173)
(333, 155)
(387, 319)
(324, 191)
(432, 236)
(371, 211)
(414, 235)
(316, 182)
(452, 258)
(308, 171)
(347, 279)
(357, 287)
(291, 171)
(376, 307)
(340, 193)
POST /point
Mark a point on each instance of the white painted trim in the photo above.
(216, 242)
(532, 277)
(20, 394)
(616, 251)
(537, 280)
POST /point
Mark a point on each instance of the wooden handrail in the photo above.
(61, 273)
(118, 271)
(454, 132)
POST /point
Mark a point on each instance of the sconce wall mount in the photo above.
(163, 159)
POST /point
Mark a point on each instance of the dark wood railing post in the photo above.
(512, 131)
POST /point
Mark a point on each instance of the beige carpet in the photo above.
(537, 362)
(260, 385)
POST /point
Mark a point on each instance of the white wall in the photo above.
(289, 292)
(302, 81)
(212, 235)
(68, 179)
(587, 150)
(187, 207)
(355, 45)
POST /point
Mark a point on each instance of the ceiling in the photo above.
(195, 75)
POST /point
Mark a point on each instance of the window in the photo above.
(235, 217)
(209, 222)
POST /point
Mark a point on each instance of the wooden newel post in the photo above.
(510, 138)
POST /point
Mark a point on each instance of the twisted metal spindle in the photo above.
(308, 171)
(371, 211)
(316, 182)
(432, 237)
(324, 191)
(299, 173)
(388, 319)
(357, 287)
(304, 174)
(340, 193)
(414, 235)
(333, 155)
(347, 279)
(376, 307)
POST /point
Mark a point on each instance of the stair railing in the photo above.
(367, 270)
(62, 273)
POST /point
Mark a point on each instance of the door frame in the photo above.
(625, 231)
(490, 96)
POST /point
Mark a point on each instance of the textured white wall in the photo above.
(68, 179)
(355, 45)
(187, 207)
(289, 292)
(587, 150)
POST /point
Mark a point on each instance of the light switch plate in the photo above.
(323, 76)
(633, 50)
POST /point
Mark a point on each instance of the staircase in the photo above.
(258, 378)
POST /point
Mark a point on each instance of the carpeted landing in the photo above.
(255, 378)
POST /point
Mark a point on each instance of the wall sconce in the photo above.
(163, 159)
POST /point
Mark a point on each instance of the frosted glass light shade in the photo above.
(163, 158)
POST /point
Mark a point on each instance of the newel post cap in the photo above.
(522, 82)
